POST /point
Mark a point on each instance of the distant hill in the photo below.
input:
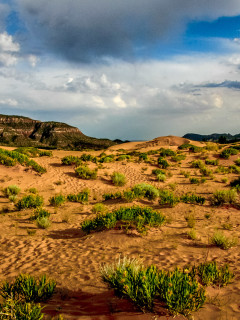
(221, 137)
(23, 131)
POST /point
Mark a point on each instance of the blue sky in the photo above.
(131, 69)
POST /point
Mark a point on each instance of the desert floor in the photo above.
(73, 259)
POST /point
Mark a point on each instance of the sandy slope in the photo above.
(73, 259)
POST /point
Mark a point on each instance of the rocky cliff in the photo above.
(22, 131)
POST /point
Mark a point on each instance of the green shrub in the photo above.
(144, 285)
(123, 157)
(195, 149)
(33, 152)
(11, 190)
(223, 242)
(221, 197)
(43, 222)
(129, 195)
(30, 201)
(33, 190)
(167, 153)
(84, 172)
(211, 274)
(57, 200)
(167, 198)
(88, 157)
(40, 213)
(192, 234)
(178, 157)
(226, 153)
(234, 169)
(70, 160)
(107, 159)
(184, 146)
(163, 163)
(161, 177)
(192, 198)
(144, 190)
(99, 208)
(143, 157)
(118, 179)
(28, 288)
(194, 181)
(206, 171)
(7, 161)
(158, 171)
(235, 184)
(81, 197)
(17, 310)
(112, 196)
(191, 220)
(212, 162)
(136, 217)
(237, 162)
(186, 174)
(197, 164)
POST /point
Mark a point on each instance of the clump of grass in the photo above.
(11, 190)
(85, 172)
(20, 310)
(28, 288)
(212, 162)
(123, 157)
(118, 179)
(224, 180)
(227, 226)
(161, 177)
(29, 201)
(197, 164)
(168, 198)
(99, 208)
(129, 195)
(43, 222)
(134, 217)
(167, 153)
(186, 174)
(144, 190)
(226, 153)
(81, 197)
(112, 196)
(32, 190)
(206, 171)
(223, 242)
(163, 163)
(194, 181)
(71, 160)
(57, 200)
(192, 234)
(40, 213)
(192, 198)
(191, 220)
(178, 157)
(221, 197)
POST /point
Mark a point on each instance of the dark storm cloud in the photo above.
(224, 84)
(84, 30)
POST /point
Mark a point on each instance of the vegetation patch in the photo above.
(221, 197)
(57, 200)
(71, 160)
(226, 153)
(85, 172)
(223, 242)
(168, 198)
(118, 179)
(192, 198)
(29, 201)
(81, 197)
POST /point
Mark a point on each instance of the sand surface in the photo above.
(73, 259)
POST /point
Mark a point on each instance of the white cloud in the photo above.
(9, 102)
(7, 44)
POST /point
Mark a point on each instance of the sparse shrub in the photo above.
(136, 217)
(88, 157)
(223, 242)
(206, 171)
(234, 169)
(226, 153)
(143, 157)
(191, 220)
(40, 213)
(195, 149)
(12, 198)
(99, 208)
(221, 197)
(158, 171)
(227, 226)
(192, 234)
(167, 153)
(178, 157)
(144, 190)
(237, 162)
(194, 181)
(107, 159)
(11, 190)
(235, 183)
(184, 146)
(197, 164)
(81, 197)
(129, 195)
(172, 186)
(57, 200)
(20, 310)
(161, 177)
(30, 201)
(163, 163)
(186, 174)
(192, 198)
(33, 190)
(212, 162)
(112, 196)
(70, 160)
(168, 198)
(7, 161)
(222, 169)
(84, 172)
(224, 180)
(118, 179)
(28, 288)
(123, 157)
(43, 222)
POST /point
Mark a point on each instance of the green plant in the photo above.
(167, 198)
(81, 197)
(163, 163)
(17, 310)
(167, 153)
(223, 242)
(143, 157)
(129, 195)
(226, 153)
(40, 213)
(161, 177)
(192, 198)
(28, 288)
(194, 181)
(186, 174)
(221, 197)
(178, 157)
(118, 179)
(29, 201)
(191, 220)
(11, 190)
(192, 234)
(212, 162)
(84, 172)
(112, 196)
(197, 164)
(99, 208)
(144, 190)
(123, 157)
(70, 160)
(43, 222)
(227, 226)
(224, 180)
(33, 190)
(206, 171)
(57, 200)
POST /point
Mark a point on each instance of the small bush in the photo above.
(81, 197)
(143, 157)
(226, 153)
(192, 234)
(99, 208)
(123, 157)
(19, 310)
(178, 157)
(158, 171)
(184, 146)
(7, 161)
(167, 198)
(57, 200)
(237, 162)
(221, 197)
(118, 179)
(40, 213)
(33, 190)
(112, 196)
(186, 174)
(28, 288)
(212, 162)
(71, 160)
(191, 220)
(11, 190)
(163, 163)
(194, 181)
(167, 153)
(206, 171)
(197, 164)
(223, 242)
(193, 198)
(161, 177)
(30, 201)
(84, 172)
(144, 190)
(129, 195)
(43, 222)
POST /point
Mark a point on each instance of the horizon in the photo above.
(125, 70)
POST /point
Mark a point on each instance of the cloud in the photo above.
(95, 29)
(8, 50)
(9, 102)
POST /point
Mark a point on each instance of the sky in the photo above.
(133, 70)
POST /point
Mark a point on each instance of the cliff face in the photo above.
(22, 131)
